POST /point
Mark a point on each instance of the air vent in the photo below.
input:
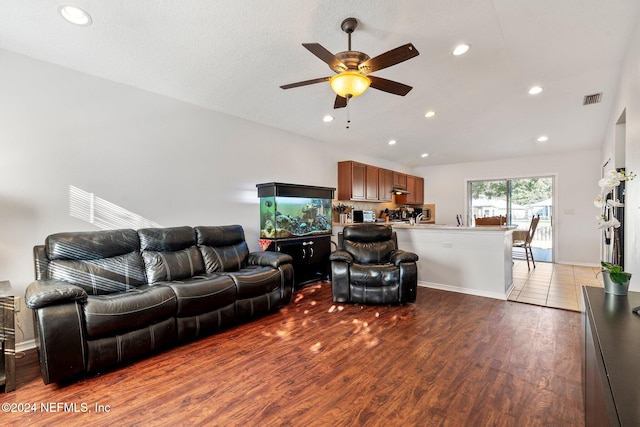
(592, 99)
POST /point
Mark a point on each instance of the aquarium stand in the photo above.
(296, 219)
(310, 257)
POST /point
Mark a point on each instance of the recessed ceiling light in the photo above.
(430, 114)
(328, 118)
(75, 15)
(424, 155)
(543, 138)
(461, 49)
(392, 142)
(535, 90)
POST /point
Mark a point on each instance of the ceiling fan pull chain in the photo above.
(348, 119)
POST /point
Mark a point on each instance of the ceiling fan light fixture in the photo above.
(349, 84)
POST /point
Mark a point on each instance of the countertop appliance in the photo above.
(368, 216)
(358, 216)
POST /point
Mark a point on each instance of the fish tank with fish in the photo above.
(291, 210)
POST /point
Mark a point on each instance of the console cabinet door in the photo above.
(310, 257)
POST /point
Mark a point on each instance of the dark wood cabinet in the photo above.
(415, 187)
(310, 257)
(385, 185)
(372, 183)
(610, 371)
(352, 181)
(400, 180)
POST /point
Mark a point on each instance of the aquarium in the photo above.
(282, 217)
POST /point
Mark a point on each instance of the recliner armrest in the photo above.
(269, 259)
(341, 255)
(48, 292)
(399, 256)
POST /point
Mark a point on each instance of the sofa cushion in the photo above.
(100, 262)
(369, 252)
(86, 245)
(178, 265)
(374, 275)
(107, 315)
(223, 248)
(201, 294)
(170, 253)
(168, 239)
(255, 280)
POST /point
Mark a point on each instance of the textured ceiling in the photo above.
(232, 56)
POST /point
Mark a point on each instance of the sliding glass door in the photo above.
(519, 200)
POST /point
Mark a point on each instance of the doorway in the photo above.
(518, 199)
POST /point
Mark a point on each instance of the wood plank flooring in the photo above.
(448, 360)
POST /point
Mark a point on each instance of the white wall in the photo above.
(628, 97)
(169, 161)
(576, 184)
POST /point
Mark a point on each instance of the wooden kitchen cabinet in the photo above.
(415, 187)
(400, 180)
(352, 178)
(361, 182)
(372, 183)
(385, 185)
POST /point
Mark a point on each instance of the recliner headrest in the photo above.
(368, 233)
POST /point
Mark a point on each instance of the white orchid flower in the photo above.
(615, 203)
(598, 202)
(608, 182)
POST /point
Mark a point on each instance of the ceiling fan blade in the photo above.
(328, 57)
(387, 59)
(340, 102)
(389, 86)
(306, 82)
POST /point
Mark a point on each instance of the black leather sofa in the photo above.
(101, 298)
(368, 267)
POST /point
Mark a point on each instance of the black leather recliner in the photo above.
(368, 267)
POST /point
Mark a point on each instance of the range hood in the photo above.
(399, 191)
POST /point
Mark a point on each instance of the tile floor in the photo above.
(552, 285)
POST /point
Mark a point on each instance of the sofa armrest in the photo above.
(42, 293)
(399, 256)
(269, 259)
(341, 255)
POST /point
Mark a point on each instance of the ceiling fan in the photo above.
(353, 68)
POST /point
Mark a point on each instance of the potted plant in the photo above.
(616, 281)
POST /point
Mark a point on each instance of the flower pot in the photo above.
(614, 288)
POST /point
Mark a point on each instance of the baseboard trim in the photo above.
(25, 345)
(476, 292)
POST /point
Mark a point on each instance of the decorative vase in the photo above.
(614, 288)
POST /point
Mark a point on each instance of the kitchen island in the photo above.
(471, 260)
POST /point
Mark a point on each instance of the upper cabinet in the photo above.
(400, 180)
(357, 181)
(415, 188)
(385, 185)
(361, 182)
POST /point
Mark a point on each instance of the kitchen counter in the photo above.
(471, 260)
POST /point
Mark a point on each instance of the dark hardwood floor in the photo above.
(448, 360)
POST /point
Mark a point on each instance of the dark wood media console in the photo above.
(611, 359)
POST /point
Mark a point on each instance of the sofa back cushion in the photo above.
(369, 243)
(223, 248)
(101, 262)
(170, 253)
